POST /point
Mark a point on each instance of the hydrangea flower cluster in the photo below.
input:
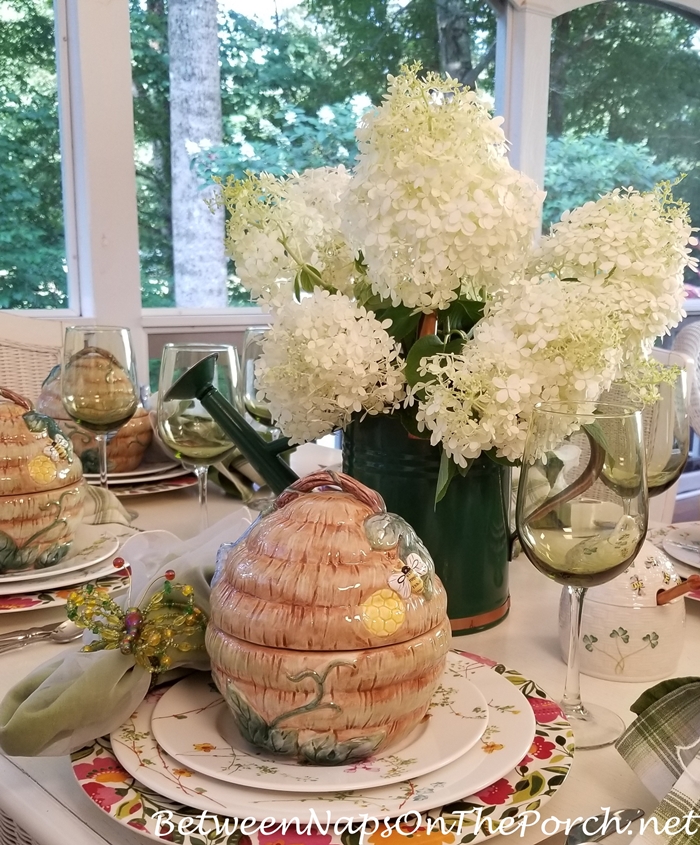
(433, 213)
(637, 245)
(541, 340)
(279, 226)
(434, 205)
(325, 359)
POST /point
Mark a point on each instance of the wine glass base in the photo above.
(593, 726)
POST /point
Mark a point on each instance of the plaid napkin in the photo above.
(663, 747)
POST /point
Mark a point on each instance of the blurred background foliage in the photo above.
(624, 110)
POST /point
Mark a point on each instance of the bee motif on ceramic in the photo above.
(60, 449)
(666, 577)
(637, 584)
(409, 578)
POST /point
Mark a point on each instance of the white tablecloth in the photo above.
(41, 795)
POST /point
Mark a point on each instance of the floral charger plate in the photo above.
(113, 583)
(526, 786)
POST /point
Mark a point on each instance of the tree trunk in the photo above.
(454, 38)
(561, 55)
(195, 121)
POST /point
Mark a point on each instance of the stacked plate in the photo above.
(484, 744)
(89, 559)
(148, 478)
(682, 543)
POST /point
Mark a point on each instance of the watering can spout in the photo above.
(264, 457)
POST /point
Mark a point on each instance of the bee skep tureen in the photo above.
(41, 488)
(328, 632)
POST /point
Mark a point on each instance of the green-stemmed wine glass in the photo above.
(665, 424)
(99, 389)
(581, 517)
(185, 426)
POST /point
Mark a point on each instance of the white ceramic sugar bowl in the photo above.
(625, 634)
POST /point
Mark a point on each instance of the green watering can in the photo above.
(264, 456)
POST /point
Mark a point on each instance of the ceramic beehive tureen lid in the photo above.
(35, 455)
(327, 569)
(649, 573)
(49, 400)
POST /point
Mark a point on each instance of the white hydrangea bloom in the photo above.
(277, 225)
(434, 205)
(325, 359)
(638, 245)
(540, 340)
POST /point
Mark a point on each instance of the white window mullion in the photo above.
(522, 85)
(67, 172)
(96, 102)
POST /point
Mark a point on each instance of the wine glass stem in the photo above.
(102, 455)
(571, 702)
(202, 474)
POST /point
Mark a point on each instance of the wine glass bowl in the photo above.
(581, 517)
(252, 350)
(184, 426)
(667, 432)
(99, 389)
(665, 424)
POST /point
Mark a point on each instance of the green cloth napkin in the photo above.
(100, 506)
(69, 701)
(663, 747)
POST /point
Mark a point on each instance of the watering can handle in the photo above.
(327, 478)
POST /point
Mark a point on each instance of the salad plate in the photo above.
(524, 786)
(685, 570)
(193, 724)
(502, 747)
(683, 543)
(92, 544)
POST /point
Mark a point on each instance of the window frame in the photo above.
(94, 68)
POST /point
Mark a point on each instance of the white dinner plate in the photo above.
(67, 579)
(142, 469)
(193, 723)
(677, 541)
(504, 745)
(124, 481)
(92, 544)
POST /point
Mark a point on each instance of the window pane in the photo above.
(294, 77)
(32, 248)
(624, 106)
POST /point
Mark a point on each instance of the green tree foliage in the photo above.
(624, 109)
(32, 252)
(583, 168)
(375, 37)
(630, 71)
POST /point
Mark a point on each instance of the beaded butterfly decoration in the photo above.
(169, 622)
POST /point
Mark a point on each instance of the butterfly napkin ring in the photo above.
(169, 621)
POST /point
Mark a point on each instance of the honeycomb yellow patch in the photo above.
(42, 469)
(383, 613)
